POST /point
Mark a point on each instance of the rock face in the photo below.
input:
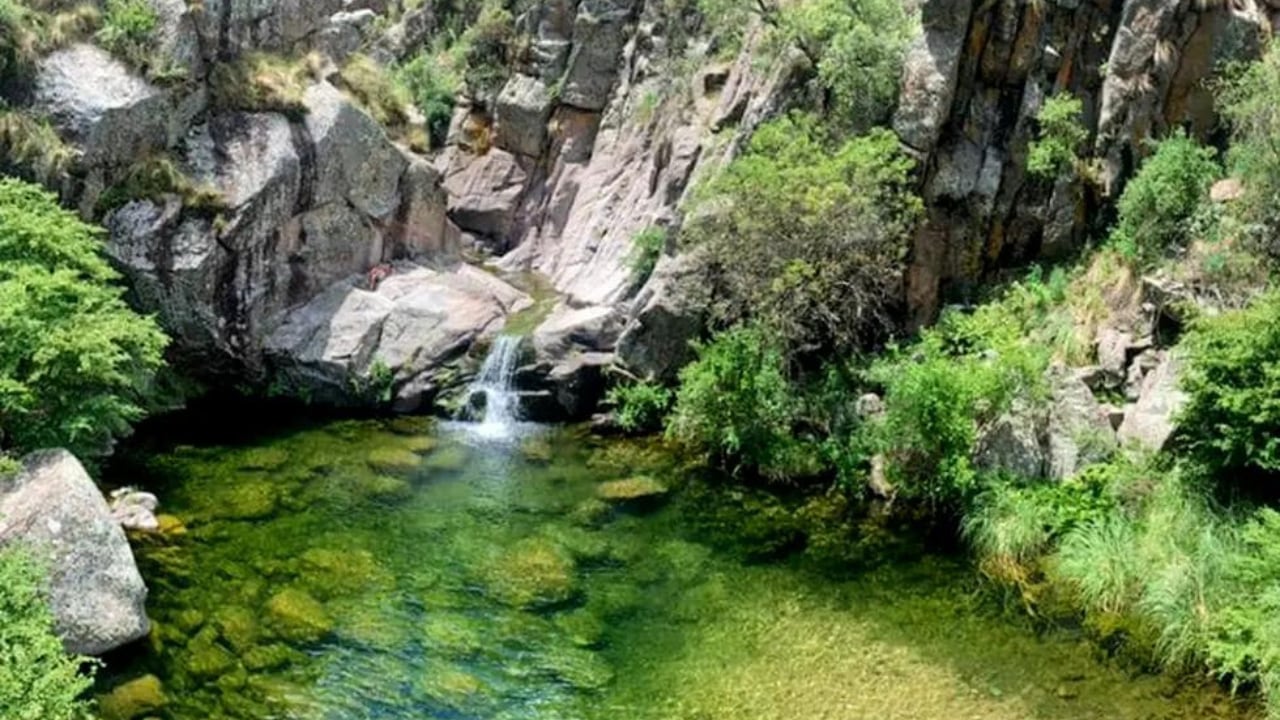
(1149, 422)
(54, 509)
(977, 77)
(396, 339)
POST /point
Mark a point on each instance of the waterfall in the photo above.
(496, 383)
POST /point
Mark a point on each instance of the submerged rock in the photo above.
(639, 491)
(297, 616)
(535, 573)
(53, 508)
(134, 699)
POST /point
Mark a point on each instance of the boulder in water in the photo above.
(134, 699)
(297, 616)
(536, 573)
(641, 490)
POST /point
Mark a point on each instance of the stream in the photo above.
(416, 569)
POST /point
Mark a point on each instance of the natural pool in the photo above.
(409, 569)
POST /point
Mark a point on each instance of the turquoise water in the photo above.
(408, 569)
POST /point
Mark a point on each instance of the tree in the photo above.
(1252, 104)
(1160, 205)
(1055, 151)
(76, 364)
(806, 235)
(38, 680)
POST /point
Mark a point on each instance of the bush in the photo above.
(858, 50)
(1233, 379)
(433, 87)
(640, 407)
(737, 403)
(33, 149)
(154, 177)
(647, 247)
(1252, 104)
(1161, 205)
(76, 363)
(1054, 152)
(487, 50)
(39, 681)
(127, 28)
(807, 236)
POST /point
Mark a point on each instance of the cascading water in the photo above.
(496, 383)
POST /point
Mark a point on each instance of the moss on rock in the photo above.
(297, 616)
(393, 459)
(535, 573)
(134, 699)
(639, 491)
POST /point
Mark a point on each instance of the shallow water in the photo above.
(401, 569)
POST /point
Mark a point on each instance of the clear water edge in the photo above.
(458, 577)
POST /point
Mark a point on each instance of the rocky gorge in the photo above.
(294, 236)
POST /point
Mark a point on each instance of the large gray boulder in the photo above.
(669, 315)
(54, 509)
(99, 104)
(598, 38)
(1079, 431)
(567, 330)
(486, 193)
(929, 75)
(354, 160)
(524, 106)
(1014, 444)
(409, 332)
(1151, 421)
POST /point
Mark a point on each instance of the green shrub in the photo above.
(1252, 104)
(806, 236)
(39, 680)
(127, 29)
(1233, 380)
(487, 49)
(76, 364)
(1055, 151)
(640, 407)
(1161, 205)
(433, 86)
(858, 49)
(736, 402)
(647, 247)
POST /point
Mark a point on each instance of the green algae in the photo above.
(493, 582)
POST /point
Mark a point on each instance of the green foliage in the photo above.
(38, 680)
(30, 30)
(1252, 104)
(641, 406)
(858, 50)
(647, 247)
(154, 177)
(33, 149)
(1233, 381)
(806, 236)
(487, 49)
(433, 85)
(1055, 151)
(377, 90)
(736, 402)
(127, 29)
(75, 362)
(961, 376)
(1161, 206)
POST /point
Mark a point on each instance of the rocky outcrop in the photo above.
(53, 509)
(977, 77)
(1052, 440)
(396, 339)
(1150, 421)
